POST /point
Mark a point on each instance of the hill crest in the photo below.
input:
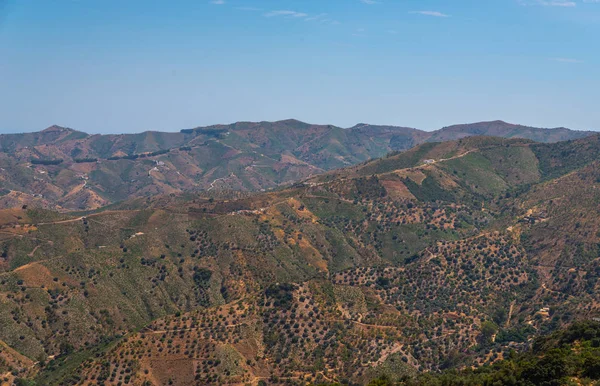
(72, 170)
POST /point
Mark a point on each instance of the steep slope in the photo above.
(474, 168)
(53, 135)
(312, 331)
(488, 164)
(84, 172)
(506, 130)
(66, 169)
(568, 356)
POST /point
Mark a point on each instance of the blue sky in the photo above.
(127, 65)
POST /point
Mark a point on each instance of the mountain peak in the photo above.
(292, 122)
(56, 128)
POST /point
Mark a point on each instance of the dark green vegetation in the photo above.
(62, 168)
(566, 357)
(446, 256)
(46, 161)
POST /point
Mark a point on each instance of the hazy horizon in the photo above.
(315, 123)
(273, 121)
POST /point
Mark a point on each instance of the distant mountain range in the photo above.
(62, 168)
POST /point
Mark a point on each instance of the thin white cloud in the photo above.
(322, 18)
(285, 13)
(566, 60)
(551, 3)
(218, 2)
(369, 2)
(319, 17)
(360, 32)
(252, 9)
(431, 13)
(558, 3)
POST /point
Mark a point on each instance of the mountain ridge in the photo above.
(66, 169)
(297, 121)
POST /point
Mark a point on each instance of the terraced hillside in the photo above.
(448, 255)
(64, 169)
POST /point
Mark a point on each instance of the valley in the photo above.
(447, 255)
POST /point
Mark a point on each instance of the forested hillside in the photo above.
(446, 256)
